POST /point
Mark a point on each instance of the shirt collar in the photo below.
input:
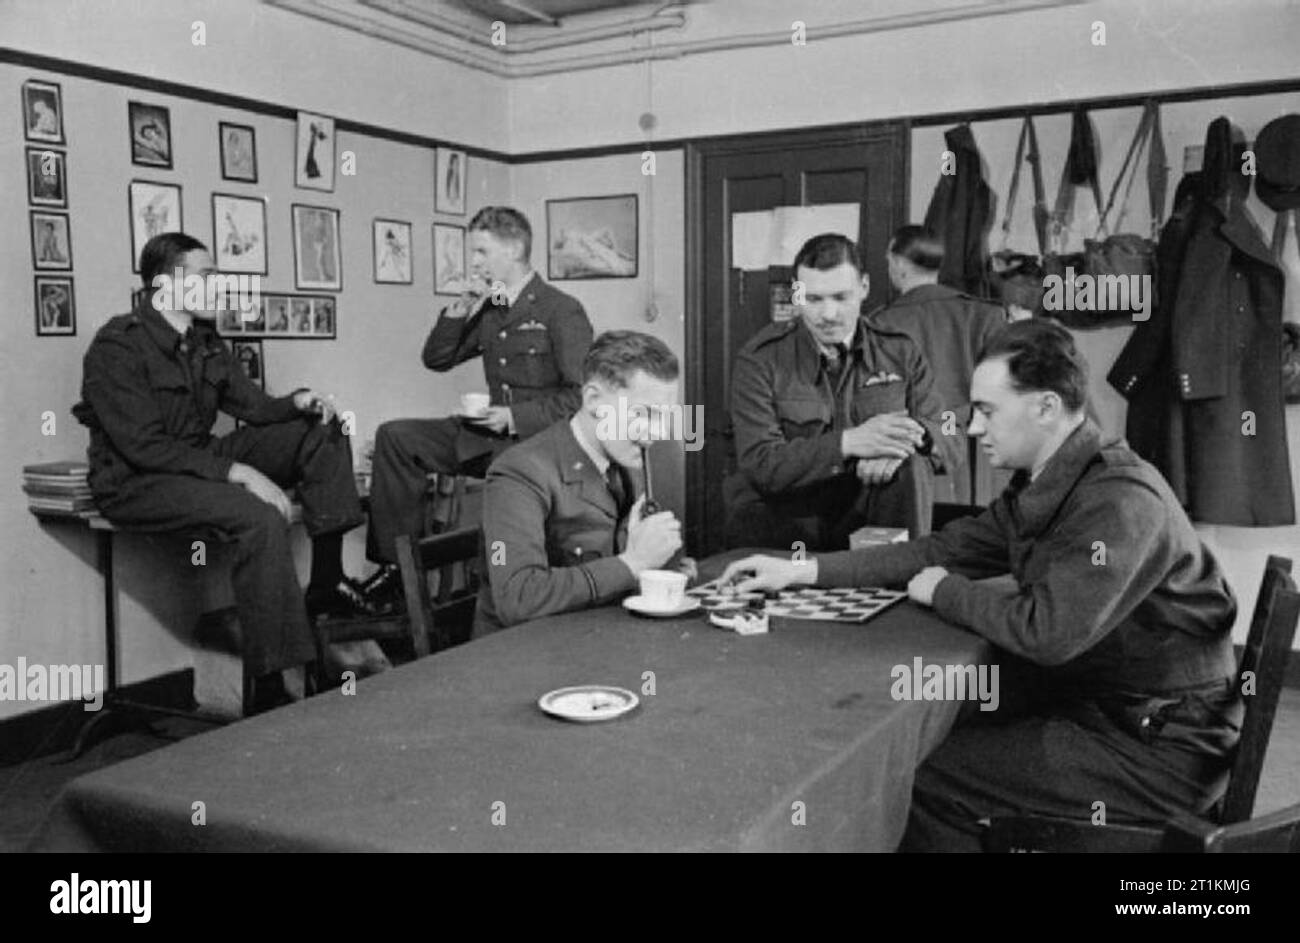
(597, 458)
(853, 342)
(514, 291)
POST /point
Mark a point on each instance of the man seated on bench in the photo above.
(153, 382)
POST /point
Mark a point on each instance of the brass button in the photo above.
(532, 350)
(502, 335)
(503, 361)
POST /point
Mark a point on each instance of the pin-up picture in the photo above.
(314, 161)
(392, 244)
(151, 135)
(449, 183)
(51, 242)
(155, 209)
(239, 233)
(47, 177)
(238, 152)
(43, 112)
(248, 354)
(56, 311)
(448, 259)
(318, 261)
(594, 237)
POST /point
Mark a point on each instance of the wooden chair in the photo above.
(431, 611)
(1277, 832)
(434, 612)
(1263, 661)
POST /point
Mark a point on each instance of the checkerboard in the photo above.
(819, 605)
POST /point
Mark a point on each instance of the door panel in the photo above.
(726, 306)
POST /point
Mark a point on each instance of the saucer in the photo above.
(588, 703)
(638, 605)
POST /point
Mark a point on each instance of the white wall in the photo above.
(1003, 60)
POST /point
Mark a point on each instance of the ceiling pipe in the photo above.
(476, 34)
(476, 60)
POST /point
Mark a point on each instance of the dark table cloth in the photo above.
(739, 732)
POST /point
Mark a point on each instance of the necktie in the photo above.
(836, 362)
(618, 488)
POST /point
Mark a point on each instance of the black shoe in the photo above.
(343, 600)
(383, 589)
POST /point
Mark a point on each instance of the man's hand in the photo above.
(308, 401)
(652, 540)
(496, 419)
(889, 435)
(878, 471)
(759, 574)
(261, 486)
(922, 586)
(475, 292)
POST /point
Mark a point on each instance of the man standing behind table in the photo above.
(561, 530)
(950, 326)
(1117, 645)
(532, 338)
(827, 409)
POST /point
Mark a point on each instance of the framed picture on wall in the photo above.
(47, 177)
(317, 259)
(56, 309)
(448, 259)
(592, 237)
(51, 242)
(392, 247)
(155, 208)
(314, 156)
(449, 181)
(276, 308)
(151, 135)
(322, 317)
(238, 152)
(239, 233)
(248, 354)
(43, 111)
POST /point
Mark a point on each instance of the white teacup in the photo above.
(662, 589)
(474, 404)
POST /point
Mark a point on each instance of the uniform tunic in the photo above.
(793, 482)
(1117, 646)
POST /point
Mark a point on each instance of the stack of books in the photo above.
(58, 488)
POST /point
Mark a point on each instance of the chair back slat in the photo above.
(1263, 665)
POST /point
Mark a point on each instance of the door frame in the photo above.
(697, 153)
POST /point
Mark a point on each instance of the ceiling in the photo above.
(546, 12)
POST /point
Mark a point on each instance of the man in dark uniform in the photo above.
(560, 528)
(1115, 650)
(836, 420)
(532, 338)
(951, 328)
(153, 383)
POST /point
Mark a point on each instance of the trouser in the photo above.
(302, 452)
(406, 451)
(1071, 762)
(824, 520)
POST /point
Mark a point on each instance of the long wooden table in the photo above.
(783, 742)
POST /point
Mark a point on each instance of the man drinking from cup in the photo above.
(563, 527)
(532, 338)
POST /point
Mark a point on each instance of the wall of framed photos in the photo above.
(365, 301)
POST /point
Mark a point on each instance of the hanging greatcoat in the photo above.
(1203, 376)
(960, 213)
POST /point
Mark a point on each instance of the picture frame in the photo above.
(47, 177)
(239, 233)
(250, 358)
(391, 239)
(449, 263)
(56, 306)
(592, 237)
(238, 144)
(154, 208)
(317, 256)
(314, 152)
(150, 128)
(284, 316)
(51, 241)
(449, 177)
(43, 111)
